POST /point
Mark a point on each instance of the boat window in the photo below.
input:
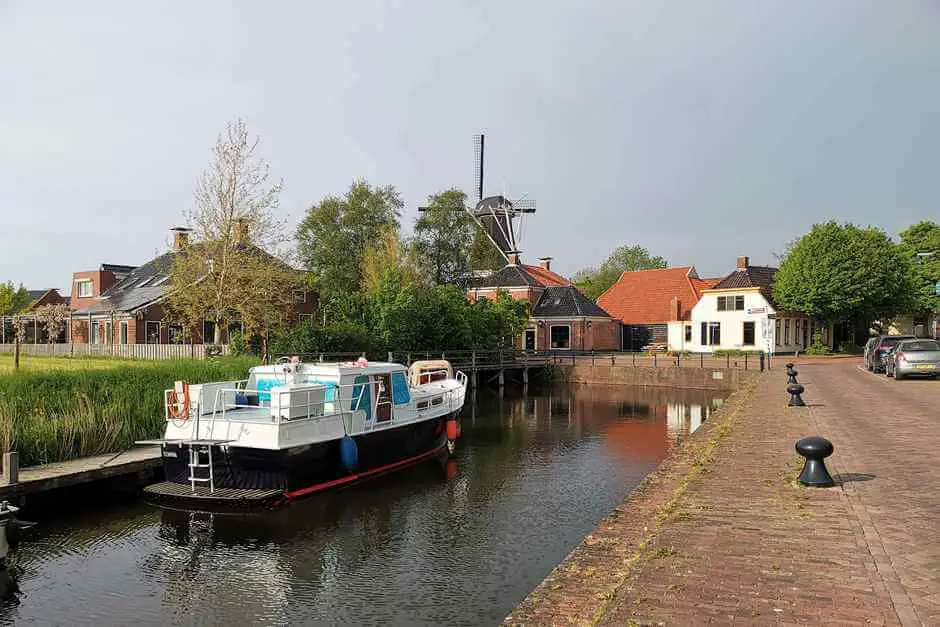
(363, 402)
(400, 393)
(264, 385)
(329, 394)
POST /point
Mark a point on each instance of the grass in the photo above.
(54, 409)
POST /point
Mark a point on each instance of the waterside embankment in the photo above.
(723, 532)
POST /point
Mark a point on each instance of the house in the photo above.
(35, 332)
(560, 316)
(738, 313)
(121, 304)
(646, 301)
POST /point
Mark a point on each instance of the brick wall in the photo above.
(100, 281)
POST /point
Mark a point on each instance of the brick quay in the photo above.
(723, 532)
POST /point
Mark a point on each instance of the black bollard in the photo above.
(788, 365)
(795, 390)
(791, 375)
(815, 449)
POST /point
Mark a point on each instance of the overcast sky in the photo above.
(701, 130)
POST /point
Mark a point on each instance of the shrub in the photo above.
(817, 347)
(237, 344)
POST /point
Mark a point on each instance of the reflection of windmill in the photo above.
(495, 214)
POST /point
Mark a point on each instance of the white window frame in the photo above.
(83, 282)
(554, 348)
(147, 324)
(206, 339)
(302, 294)
(744, 324)
(122, 337)
(535, 334)
(94, 333)
(687, 333)
(108, 333)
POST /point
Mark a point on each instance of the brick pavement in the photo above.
(722, 532)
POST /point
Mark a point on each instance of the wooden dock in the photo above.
(78, 471)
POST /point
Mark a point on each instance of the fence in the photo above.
(132, 351)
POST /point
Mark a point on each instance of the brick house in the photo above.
(35, 333)
(119, 304)
(646, 301)
(560, 318)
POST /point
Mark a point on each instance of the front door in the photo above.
(383, 408)
(530, 339)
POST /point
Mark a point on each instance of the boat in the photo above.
(295, 429)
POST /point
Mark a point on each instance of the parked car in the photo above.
(868, 346)
(882, 346)
(914, 357)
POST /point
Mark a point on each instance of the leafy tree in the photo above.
(389, 260)
(12, 299)
(595, 281)
(335, 234)
(484, 255)
(444, 236)
(224, 274)
(922, 242)
(841, 272)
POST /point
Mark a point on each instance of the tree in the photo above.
(335, 234)
(19, 336)
(921, 242)
(443, 238)
(53, 319)
(844, 273)
(484, 255)
(595, 281)
(225, 274)
(12, 299)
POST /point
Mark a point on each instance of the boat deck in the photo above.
(172, 490)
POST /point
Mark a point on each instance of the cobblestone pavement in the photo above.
(723, 533)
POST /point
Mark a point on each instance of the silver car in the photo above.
(913, 357)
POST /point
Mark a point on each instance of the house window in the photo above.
(300, 296)
(83, 288)
(306, 318)
(152, 332)
(786, 332)
(731, 303)
(749, 334)
(123, 333)
(94, 333)
(777, 335)
(108, 337)
(711, 333)
(560, 336)
(796, 338)
(175, 334)
(688, 333)
(208, 332)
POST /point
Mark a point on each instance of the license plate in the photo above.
(925, 366)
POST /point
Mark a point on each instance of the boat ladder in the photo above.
(200, 465)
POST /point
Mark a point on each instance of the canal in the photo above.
(459, 544)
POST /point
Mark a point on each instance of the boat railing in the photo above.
(319, 403)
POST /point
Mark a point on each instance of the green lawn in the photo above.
(63, 363)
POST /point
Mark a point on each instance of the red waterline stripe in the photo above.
(362, 475)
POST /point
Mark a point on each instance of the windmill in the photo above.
(495, 215)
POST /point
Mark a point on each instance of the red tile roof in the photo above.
(645, 296)
(546, 278)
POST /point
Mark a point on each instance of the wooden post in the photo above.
(634, 359)
(701, 360)
(525, 376)
(11, 468)
(390, 357)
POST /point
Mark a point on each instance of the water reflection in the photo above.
(457, 542)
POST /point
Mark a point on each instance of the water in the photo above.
(460, 544)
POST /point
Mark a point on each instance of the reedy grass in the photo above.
(54, 413)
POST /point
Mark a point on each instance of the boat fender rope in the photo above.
(178, 409)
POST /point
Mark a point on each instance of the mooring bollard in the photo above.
(796, 400)
(791, 375)
(815, 449)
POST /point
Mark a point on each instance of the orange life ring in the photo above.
(178, 410)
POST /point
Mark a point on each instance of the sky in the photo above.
(700, 130)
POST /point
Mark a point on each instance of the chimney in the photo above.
(546, 262)
(743, 263)
(674, 308)
(513, 257)
(241, 230)
(180, 236)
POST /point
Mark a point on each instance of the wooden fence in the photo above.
(134, 351)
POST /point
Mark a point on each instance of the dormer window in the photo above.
(84, 288)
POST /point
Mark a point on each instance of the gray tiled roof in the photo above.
(753, 276)
(509, 276)
(566, 301)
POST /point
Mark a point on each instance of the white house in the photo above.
(739, 314)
